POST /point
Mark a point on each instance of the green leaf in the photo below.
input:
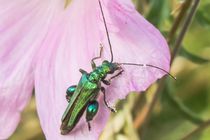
(192, 57)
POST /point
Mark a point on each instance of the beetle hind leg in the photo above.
(89, 126)
(70, 92)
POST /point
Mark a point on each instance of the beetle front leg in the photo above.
(92, 109)
(82, 71)
(118, 74)
(103, 91)
(69, 92)
(106, 82)
(93, 64)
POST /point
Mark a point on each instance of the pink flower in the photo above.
(43, 45)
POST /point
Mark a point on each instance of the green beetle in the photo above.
(84, 95)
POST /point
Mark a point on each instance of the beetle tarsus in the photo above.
(113, 110)
(89, 126)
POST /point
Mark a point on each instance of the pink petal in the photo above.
(73, 40)
(20, 39)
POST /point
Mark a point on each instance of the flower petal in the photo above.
(20, 39)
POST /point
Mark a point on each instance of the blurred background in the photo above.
(169, 109)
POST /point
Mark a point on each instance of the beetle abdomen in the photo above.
(84, 93)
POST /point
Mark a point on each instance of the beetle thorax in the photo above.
(101, 71)
(98, 73)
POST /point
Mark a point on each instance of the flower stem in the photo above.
(178, 20)
(184, 29)
(197, 130)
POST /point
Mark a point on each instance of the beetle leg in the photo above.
(70, 92)
(103, 91)
(93, 64)
(106, 82)
(91, 111)
(82, 71)
(116, 75)
(89, 126)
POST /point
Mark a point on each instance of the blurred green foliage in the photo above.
(182, 105)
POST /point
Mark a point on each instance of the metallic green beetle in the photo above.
(83, 96)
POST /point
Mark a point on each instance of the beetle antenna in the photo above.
(107, 33)
(148, 65)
